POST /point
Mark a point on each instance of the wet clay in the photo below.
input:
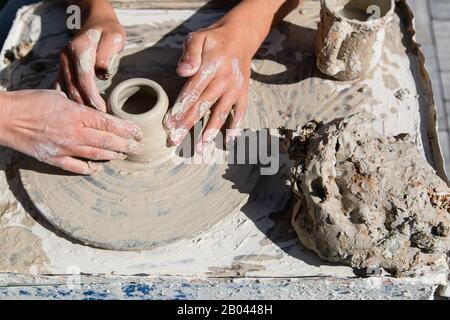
(143, 102)
(367, 200)
(144, 201)
(350, 36)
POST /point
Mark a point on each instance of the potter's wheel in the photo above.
(138, 205)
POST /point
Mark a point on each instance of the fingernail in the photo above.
(202, 147)
(185, 68)
(120, 156)
(94, 167)
(99, 104)
(177, 136)
(169, 122)
(135, 147)
(137, 133)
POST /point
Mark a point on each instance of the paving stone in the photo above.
(442, 111)
(429, 50)
(441, 32)
(444, 141)
(445, 77)
(422, 21)
(440, 9)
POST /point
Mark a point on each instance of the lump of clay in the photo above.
(367, 200)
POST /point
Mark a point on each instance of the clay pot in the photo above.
(350, 36)
(143, 102)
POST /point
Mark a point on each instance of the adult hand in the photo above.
(46, 125)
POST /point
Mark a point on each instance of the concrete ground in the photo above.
(432, 25)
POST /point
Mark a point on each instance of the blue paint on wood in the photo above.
(134, 290)
(24, 293)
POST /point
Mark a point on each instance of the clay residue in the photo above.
(237, 269)
(19, 51)
(368, 200)
(21, 251)
(348, 49)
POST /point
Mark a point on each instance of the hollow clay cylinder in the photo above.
(143, 102)
(350, 36)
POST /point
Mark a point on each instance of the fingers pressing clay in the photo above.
(234, 130)
(215, 122)
(108, 48)
(108, 123)
(197, 112)
(191, 59)
(98, 154)
(109, 141)
(187, 99)
(76, 166)
(69, 80)
(83, 52)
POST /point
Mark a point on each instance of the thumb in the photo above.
(109, 46)
(191, 59)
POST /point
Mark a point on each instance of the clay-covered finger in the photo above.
(190, 93)
(84, 52)
(69, 80)
(234, 129)
(97, 154)
(215, 122)
(105, 122)
(197, 112)
(75, 165)
(191, 59)
(109, 141)
(111, 43)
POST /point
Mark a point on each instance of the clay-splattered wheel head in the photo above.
(137, 206)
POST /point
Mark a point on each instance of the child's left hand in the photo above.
(91, 53)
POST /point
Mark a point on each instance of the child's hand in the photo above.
(217, 60)
(218, 63)
(90, 53)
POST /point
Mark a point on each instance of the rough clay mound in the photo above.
(367, 200)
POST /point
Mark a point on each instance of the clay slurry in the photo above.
(141, 102)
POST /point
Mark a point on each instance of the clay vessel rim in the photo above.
(374, 22)
(117, 108)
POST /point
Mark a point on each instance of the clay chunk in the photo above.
(367, 200)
